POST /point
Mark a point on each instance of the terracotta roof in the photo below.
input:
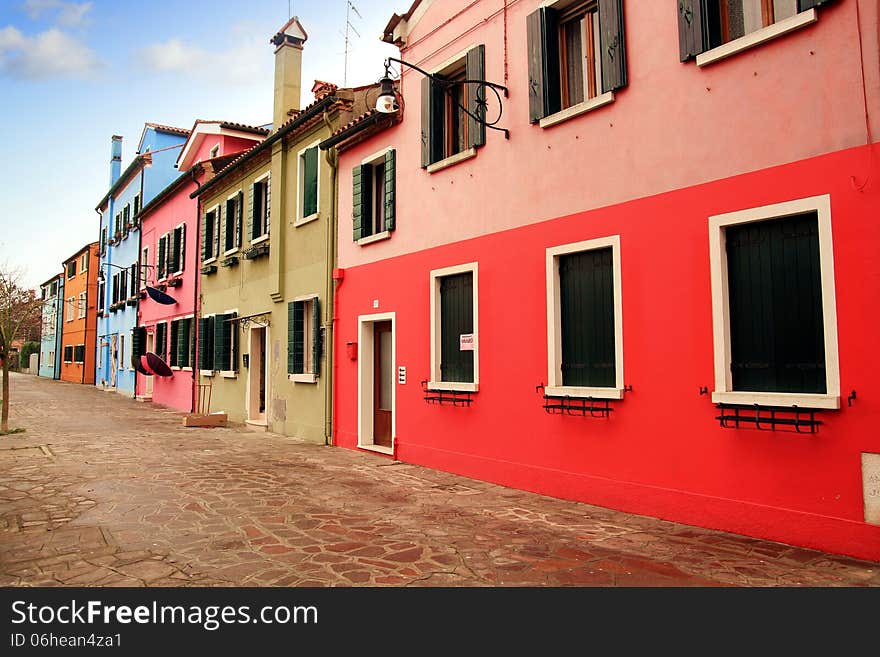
(78, 253)
(167, 128)
(231, 125)
(364, 121)
(388, 33)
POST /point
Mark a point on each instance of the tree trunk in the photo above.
(4, 416)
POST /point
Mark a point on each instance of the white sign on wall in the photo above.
(466, 342)
(871, 487)
(401, 375)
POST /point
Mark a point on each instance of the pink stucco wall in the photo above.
(227, 145)
(675, 124)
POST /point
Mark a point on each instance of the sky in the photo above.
(72, 74)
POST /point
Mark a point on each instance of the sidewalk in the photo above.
(105, 491)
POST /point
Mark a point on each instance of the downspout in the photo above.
(100, 269)
(332, 158)
(137, 260)
(196, 305)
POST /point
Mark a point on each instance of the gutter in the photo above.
(332, 158)
(197, 310)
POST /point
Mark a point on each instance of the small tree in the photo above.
(19, 308)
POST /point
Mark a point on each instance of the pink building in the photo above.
(170, 260)
(659, 294)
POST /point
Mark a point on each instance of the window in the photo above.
(117, 225)
(136, 208)
(84, 263)
(176, 245)
(71, 308)
(161, 346)
(71, 269)
(145, 266)
(454, 329)
(126, 218)
(262, 203)
(775, 322)
(181, 352)
(576, 56)
(68, 354)
(584, 320)
(447, 130)
(304, 340)
(102, 290)
(705, 25)
(162, 258)
(133, 281)
(374, 196)
(215, 152)
(123, 285)
(307, 204)
(79, 353)
(211, 244)
(103, 241)
(226, 343)
(232, 240)
(206, 345)
(121, 352)
(81, 305)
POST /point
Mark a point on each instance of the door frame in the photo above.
(250, 369)
(366, 381)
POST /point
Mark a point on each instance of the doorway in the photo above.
(114, 360)
(257, 387)
(376, 383)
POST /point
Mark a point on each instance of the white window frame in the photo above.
(308, 341)
(215, 151)
(235, 249)
(214, 256)
(82, 300)
(181, 225)
(366, 376)
(436, 274)
(84, 263)
(300, 186)
(71, 302)
(554, 321)
(267, 177)
(724, 392)
(372, 160)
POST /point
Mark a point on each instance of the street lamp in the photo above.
(387, 102)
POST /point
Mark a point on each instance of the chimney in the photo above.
(288, 44)
(115, 158)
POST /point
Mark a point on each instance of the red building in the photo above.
(657, 293)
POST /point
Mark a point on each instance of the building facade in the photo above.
(151, 171)
(52, 292)
(170, 258)
(653, 295)
(80, 316)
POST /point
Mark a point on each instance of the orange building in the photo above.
(80, 316)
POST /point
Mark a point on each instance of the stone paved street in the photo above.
(106, 491)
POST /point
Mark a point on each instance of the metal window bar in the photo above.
(769, 418)
(450, 397)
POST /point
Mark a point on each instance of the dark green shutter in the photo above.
(206, 343)
(432, 123)
(221, 343)
(291, 327)
(310, 182)
(255, 228)
(692, 28)
(173, 351)
(586, 299)
(238, 218)
(777, 335)
(390, 189)
(456, 319)
(427, 107)
(362, 188)
(181, 342)
(181, 257)
(160, 260)
(203, 232)
(295, 337)
(613, 43)
(317, 343)
(267, 215)
(218, 222)
(476, 96)
(138, 343)
(174, 260)
(232, 330)
(161, 339)
(542, 32)
(803, 5)
(229, 229)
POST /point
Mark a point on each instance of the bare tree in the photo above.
(19, 309)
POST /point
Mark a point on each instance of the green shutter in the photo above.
(174, 260)
(221, 343)
(218, 222)
(206, 343)
(586, 298)
(182, 252)
(310, 182)
(291, 330)
(268, 214)
(803, 5)
(255, 228)
(173, 352)
(456, 319)
(296, 337)
(232, 331)
(432, 123)
(692, 30)
(238, 218)
(613, 44)
(138, 341)
(160, 260)
(542, 31)
(390, 190)
(317, 343)
(476, 96)
(181, 343)
(203, 233)
(229, 228)
(161, 339)
(362, 188)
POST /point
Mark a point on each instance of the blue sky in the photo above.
(74, 73)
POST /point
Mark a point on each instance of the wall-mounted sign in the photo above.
(401, 375)
(466, 342)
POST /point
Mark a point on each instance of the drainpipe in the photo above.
(196, 304)
(137, 303)
(100, 269)
(332, 158)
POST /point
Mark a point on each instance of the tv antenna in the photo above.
(349, 28)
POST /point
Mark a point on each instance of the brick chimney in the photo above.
(288, 44)
(115, 158)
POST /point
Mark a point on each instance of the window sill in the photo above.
(577, 110)
(307, 220)
(758, 37)
(229, 375)
(378, 448)
(378, 237)
(302, 378)
(206, 262)
(460, 387)
(452, 160)
(260, 239)
(206, 372)
(583, 393)
(829, 402)
(230, 252)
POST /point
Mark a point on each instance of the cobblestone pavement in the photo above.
(106, 491)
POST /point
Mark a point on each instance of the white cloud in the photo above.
(68, 14)
(247, 61)
(50, 54)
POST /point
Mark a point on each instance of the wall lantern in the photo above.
(388, 102)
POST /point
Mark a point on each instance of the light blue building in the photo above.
(120, 248)
(50, 326)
